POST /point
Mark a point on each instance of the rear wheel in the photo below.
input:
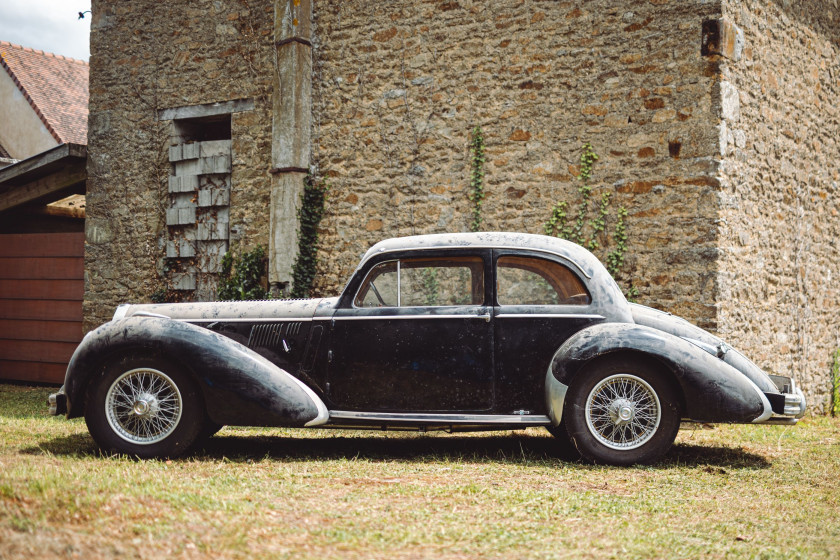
(144, 406)
(621, 413)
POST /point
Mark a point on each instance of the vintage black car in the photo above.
(457, 332)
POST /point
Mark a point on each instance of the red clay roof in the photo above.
(55, 86)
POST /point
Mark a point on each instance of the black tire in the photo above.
(208, 430)
(621, 412)
(145, 406)
(564, 447)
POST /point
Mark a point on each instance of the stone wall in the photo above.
(726, 165)
(146, 57)
(399, 85)
(779, 233)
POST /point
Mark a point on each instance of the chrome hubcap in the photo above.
(146, 405)
(143, 406)
(623, 411)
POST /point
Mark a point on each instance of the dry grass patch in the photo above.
(733, 492)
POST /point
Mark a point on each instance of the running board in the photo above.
(437, 419)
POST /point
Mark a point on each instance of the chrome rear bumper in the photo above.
(57, 402)
(788, 405)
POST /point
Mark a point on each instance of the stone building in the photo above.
(715, 122)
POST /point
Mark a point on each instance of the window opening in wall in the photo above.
(203, 129)
(198, 215)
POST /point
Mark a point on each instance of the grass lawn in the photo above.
(728, 492)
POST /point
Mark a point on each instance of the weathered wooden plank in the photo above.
(48, 268)
(41, 292)
(32, 371)
(42, 289)
(39, 188)
(36, 351)
(42, 245)
(44, 159)
(41, 310)
(57, 331)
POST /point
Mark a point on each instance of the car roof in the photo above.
(582, 258)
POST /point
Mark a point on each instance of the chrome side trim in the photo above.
(780, 421)
(555, 397)
(150, 314)
(549, 316)
(441, 418)
(246, 320)
(380, 317)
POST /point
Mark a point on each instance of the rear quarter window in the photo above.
(535, 281)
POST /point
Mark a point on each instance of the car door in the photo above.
(540, 301)
(414, 335)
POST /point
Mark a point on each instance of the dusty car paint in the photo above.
(239, 385)
(325, 362)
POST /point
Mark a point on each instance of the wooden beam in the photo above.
(43, 159)
(67, 177)
(60, 211)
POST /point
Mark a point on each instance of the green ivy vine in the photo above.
(311, 212)
(431, 286)
(477, 161)
(244, 277)
(558, 222)
(587, 158)
(835, 384)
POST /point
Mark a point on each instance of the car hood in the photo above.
(677, 326)
(230, 310)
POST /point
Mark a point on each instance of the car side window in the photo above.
(533, 281)
(426, 282)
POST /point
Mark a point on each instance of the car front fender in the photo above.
(239, 386)
(713, 390)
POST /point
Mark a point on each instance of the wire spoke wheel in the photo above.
(623, 411)
(143, 406)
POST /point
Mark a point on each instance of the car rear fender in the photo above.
(713, 390)
(239, 386)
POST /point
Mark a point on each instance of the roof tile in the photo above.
(55, 86)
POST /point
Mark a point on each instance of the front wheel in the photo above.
(144, 406)
(622, 413)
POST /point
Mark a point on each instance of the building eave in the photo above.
(45, 177)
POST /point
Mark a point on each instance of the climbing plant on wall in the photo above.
(244, 277)
(590, 231)
(311, 211)
(835, 384)
(476, 177)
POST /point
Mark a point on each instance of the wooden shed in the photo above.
(42, 244)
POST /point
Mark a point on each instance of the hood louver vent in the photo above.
(270, 335)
